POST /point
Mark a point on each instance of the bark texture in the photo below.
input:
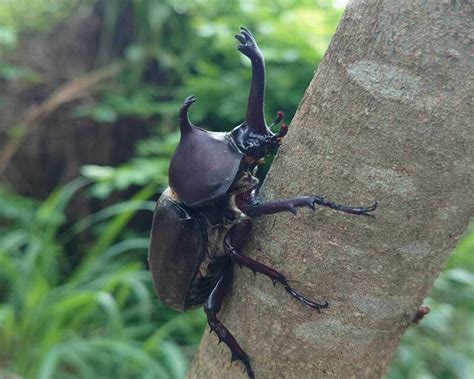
(386, 118)
(42, 144)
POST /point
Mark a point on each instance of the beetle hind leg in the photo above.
(212, 306)
(233, 244)
(275, 276)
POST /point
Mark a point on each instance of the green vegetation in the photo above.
(98, 318)
(76, 299)
(441, 345)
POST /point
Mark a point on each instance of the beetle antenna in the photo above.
(184, 123)
(277, 120)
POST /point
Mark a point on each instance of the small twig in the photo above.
(420, 313)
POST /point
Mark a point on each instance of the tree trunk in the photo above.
(386, 118)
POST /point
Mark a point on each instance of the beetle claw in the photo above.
(372, 208)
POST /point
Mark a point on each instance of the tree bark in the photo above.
(388, 117)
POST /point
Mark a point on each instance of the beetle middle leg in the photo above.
(234, 241)
(212, 306)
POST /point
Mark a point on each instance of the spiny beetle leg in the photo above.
(212, 306)
(274, 275)
(256, 209)
(365, 211)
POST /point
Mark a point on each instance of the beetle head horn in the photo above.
(184, 124)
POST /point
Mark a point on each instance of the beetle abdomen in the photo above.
(176, 250)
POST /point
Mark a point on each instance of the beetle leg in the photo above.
(233, 242)
(255, 208)
(212, 306)
(275, 276)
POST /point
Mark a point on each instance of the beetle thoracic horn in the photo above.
(184, 123)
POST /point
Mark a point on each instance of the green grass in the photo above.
(98, 319)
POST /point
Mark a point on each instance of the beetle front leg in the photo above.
(212, 306)
(252, 207)
(233, 242)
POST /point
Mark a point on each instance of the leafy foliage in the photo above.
(150, 166)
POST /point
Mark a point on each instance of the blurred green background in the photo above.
(89, 94)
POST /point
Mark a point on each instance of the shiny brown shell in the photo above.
(177, 248)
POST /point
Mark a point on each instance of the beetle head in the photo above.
(257, 144)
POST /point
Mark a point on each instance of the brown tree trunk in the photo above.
(42, 143)
(386, 117)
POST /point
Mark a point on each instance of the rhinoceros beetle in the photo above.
(202, 219)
